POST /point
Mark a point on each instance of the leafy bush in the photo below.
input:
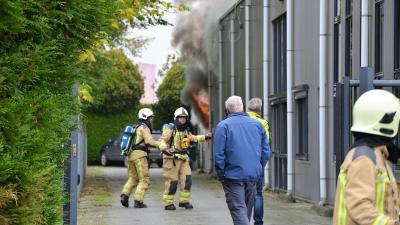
(101, 127)
(40, 44)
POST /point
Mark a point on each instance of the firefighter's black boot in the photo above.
(125, 200)
(186, 205)
(170, 207)
(139, 204)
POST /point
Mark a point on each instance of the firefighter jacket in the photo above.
(366, 189)
(263, 122)
(143, 139)
(179, 141)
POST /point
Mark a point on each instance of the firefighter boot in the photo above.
(170, 207)
(186, 205)
(139, 204)
(125, 200)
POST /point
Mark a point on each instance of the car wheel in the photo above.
(126, 163)
(103, 159)
(159, 164)
(149, 162)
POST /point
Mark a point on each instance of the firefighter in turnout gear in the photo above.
(138, 169)
(175, 141)
(366, 190)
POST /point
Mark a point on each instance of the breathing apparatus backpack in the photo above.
(128, 138)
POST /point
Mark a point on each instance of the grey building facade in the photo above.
(280, 51)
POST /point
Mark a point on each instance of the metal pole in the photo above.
(367, 75)
(266, 61)
(346, 114)
(364, 33)
(323, 107)
(232, 42)
(247, 52)
(220, 102)
(290, 111)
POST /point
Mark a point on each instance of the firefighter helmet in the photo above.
(145, 113)
(180, 112)
(376, 112)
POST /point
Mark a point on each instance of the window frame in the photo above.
(348, 49)
(280, 59)
(396, 23)
(379, 37)
(300, 93)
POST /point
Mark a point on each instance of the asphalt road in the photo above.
(99, 203)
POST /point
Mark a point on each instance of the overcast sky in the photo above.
(157, 50)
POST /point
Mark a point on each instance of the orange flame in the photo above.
(203, 105)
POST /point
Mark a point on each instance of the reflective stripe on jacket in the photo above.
(366, 192)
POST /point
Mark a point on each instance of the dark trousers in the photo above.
(259, 204)
(240, 197)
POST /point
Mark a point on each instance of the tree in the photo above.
(168, 94)
(40, 45)
(116, 84)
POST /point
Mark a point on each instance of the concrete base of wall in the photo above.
(323, 210)
(280, 196)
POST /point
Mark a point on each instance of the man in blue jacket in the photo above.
(241, 152)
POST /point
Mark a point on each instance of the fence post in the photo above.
(71, 182)
(338, 127)
(367, 76)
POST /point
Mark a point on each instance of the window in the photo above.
(301, 104)
(336, 42)
(378, 37)
(397, 39)
(279, 141)
(280, 54)
(348, 39)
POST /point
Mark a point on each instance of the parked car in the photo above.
(111, 152)
(155, 155)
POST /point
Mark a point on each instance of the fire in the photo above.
(202, 103)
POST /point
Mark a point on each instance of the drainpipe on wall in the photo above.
(266, 61)
(247, 51)
(289, 56)
(364, 33)
(232, 42)
(323, 66)
(220, 45)
(339, 12)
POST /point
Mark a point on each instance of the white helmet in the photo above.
(376, 112)
(181, 112)
(145, 113)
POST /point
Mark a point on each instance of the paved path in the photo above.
(99, 203)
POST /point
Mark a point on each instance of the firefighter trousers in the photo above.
(138, 176)
(176, 171)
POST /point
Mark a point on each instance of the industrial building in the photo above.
(293, 55)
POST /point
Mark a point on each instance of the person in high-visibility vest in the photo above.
(366, 190)
(254, 112)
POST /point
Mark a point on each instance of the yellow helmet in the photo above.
(376, 112)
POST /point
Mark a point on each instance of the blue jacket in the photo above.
(240, 148)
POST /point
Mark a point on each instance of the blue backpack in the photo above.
(128, 137)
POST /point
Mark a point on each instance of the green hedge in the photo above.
(101, 127)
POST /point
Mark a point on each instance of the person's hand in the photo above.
(169, 151)
(208, 136)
